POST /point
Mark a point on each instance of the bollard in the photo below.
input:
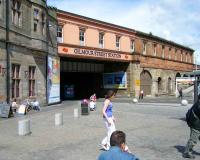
(135, 100)
(184, 102)
(75, 112)
(58, 119)
(24, 127)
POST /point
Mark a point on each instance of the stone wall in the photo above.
(28, 48)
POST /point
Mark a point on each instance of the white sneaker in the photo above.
(105, 147)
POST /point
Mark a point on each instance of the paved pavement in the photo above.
(161, 99)
(154, 131)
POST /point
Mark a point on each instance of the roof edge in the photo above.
(97, 21)
(162, 39)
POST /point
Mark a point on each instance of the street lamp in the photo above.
(196, 57)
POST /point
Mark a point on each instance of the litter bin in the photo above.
(85, 107)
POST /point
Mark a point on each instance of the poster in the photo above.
(137, 82)
(115, 80)
(53, 80)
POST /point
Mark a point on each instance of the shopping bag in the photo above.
(22, 109)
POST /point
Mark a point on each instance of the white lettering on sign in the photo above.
(97, 53)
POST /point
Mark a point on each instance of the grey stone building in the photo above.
(27, 38)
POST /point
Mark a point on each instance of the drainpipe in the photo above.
(7, 52)
(47, 53)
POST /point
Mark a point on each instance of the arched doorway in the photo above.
(169, 85)
(178, 74)
(145, 82)
(159, 84)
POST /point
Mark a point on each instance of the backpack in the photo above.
(188, 115)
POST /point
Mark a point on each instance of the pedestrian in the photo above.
(180, 93)
(193, 121)
(108, 119)
(117, 150)
(141, 94)
(92, 103)
(14, 106)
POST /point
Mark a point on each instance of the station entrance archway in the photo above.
(80, 79)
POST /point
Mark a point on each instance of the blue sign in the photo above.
(115, 80)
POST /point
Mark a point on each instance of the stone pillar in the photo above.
(131, 82)
(136, 79)
(174, 86)
(171, 87)
(154, 87)
(164, 85)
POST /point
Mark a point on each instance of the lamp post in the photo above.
(196, 57)
(196, 82)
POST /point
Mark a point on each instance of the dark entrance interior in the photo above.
(80, 85)
(79, 78)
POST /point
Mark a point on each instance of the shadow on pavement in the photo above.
(182, 119)
(181, 149)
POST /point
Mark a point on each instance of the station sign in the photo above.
(91, 53)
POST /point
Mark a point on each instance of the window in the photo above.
(1, 10)
(31, 80)
(169, 53)
(82, 37)
(15, 80)
(186, 57)
(101, 40)
(189, 58)
(132, 45)
(35, 27)
(60, 34)
(175, 55)
(118, 43)
(163, 51)
(16, 13)
(155, 49)
(36, 13)
(43, 23)
(144, 48)
(181, 56)
(35, 19)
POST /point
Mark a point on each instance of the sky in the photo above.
(174, 20)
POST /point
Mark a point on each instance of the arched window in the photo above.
(144, 48)
(163, 51)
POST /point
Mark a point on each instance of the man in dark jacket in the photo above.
(193, 121)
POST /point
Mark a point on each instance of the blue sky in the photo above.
(175, 20)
